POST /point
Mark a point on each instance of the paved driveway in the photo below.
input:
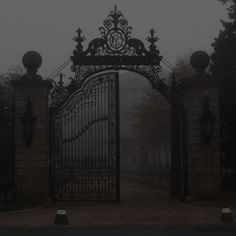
(114, 232)
(141, 206)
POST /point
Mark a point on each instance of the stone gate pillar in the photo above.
(31, 132)
(201, 101)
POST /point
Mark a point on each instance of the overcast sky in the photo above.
(48, 26)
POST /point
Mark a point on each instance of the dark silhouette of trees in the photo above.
(6, 91)
(224, 69)
(152, 115)
(224, 56)
(151, 125)
(183, 68)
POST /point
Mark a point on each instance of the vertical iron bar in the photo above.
(79, 144)
(86, 140)
(79, 131)
(73, 151)
(52, 154)
(89, 130)
(91, 118)
(70, 151)
(185, 154)
(106, 127)
(96, 135)
(98, 129)
(82, 145)
(117, 104)
(60, 157)
(176, 160)
(85, 135)
(76, 147)
(13, 150)
(102, 126)
(68, 143)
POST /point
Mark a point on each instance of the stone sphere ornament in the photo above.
(200, 61)
(32, 60)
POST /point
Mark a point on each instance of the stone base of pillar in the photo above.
(204, 187)
(33, 191)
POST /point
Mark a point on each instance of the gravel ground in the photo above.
(140, 206)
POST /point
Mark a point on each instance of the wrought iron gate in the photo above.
(7, 152)
(85, 113)
(85, 142)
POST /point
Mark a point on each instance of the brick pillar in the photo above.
(32, 161)
(203, 159)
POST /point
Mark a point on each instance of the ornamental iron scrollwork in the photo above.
(85, 147)
(114, 50)
(116, 46)
(115, 40)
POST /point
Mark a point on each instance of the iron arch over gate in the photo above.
(114, 50)
(85, 113)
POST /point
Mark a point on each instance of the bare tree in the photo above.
(183, 68)
(151, 117)
(6, 91)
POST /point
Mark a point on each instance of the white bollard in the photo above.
(61, 217)
(226, 215)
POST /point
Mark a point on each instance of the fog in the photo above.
(48, 26)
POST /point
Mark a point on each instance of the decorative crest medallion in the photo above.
(115, 40)
(116, 33)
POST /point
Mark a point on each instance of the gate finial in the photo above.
(32, 60)
(152, 40)
(200, 61)
(79, 39)
(61, 83)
